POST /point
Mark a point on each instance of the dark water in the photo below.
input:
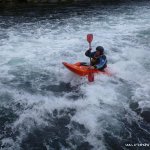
(44, 106)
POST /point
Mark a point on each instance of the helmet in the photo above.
(100, 48)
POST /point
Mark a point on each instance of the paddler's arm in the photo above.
(88, 53)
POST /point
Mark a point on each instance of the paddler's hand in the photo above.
(91, 67)
(90, 49)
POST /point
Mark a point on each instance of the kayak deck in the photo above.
(83, 70)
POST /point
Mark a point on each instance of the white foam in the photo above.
(44, 47)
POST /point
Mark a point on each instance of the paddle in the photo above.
(91, 74)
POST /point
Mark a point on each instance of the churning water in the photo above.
(44, 106)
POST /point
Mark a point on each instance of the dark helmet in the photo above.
(100, 48)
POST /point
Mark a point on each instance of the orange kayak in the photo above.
(83, 70)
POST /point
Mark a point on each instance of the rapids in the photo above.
(44, 106)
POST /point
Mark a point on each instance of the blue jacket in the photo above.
(99, 63)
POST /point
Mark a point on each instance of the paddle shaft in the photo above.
(89, 40)
(90, 48)
(91, 74)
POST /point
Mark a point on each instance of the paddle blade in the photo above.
(91, 77)
(90, 38)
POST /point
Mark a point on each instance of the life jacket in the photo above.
(94, 61)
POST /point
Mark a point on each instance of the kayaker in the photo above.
(98, 59)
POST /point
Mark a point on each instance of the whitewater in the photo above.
(44, 106)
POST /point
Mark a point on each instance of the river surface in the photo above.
(43, 106)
